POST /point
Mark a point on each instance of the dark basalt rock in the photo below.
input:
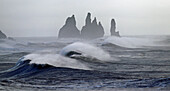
(92, 30)
(113, 29)
(69, 30)
(2, 35)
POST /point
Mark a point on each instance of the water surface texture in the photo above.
(109, 63)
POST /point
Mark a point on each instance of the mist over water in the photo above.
(136, 42)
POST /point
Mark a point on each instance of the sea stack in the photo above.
(92, 30)
(2, 35)
(113, 29)
(69, 30)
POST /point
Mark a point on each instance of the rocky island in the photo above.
(91, 29)
(113, 29)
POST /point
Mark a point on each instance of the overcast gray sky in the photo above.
(24, 18)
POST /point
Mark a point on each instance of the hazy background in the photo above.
(36, 18)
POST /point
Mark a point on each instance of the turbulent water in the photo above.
(129, 63)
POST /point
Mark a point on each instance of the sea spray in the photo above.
(133, 42)
(86, 50)
(55, 60)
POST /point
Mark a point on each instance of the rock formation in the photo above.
(92, 30)
(113, 29)
(69, 30)
(2, 35)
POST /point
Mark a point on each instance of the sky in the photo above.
(44, 18)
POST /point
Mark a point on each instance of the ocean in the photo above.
(127, 63)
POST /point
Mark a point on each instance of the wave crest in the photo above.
(55, 60)
(86, 50)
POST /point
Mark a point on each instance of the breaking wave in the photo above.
(86, 50)
(55, 60)
(68, 57)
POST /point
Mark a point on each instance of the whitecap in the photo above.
(54, 60)
(86, 50)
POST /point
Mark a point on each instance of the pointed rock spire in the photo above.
(94, 21)
(71, 20)
(113, 28)
(88, 19)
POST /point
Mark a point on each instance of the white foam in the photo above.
(55, 60)
(59, 60)
(131, 42)
(87, 49)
